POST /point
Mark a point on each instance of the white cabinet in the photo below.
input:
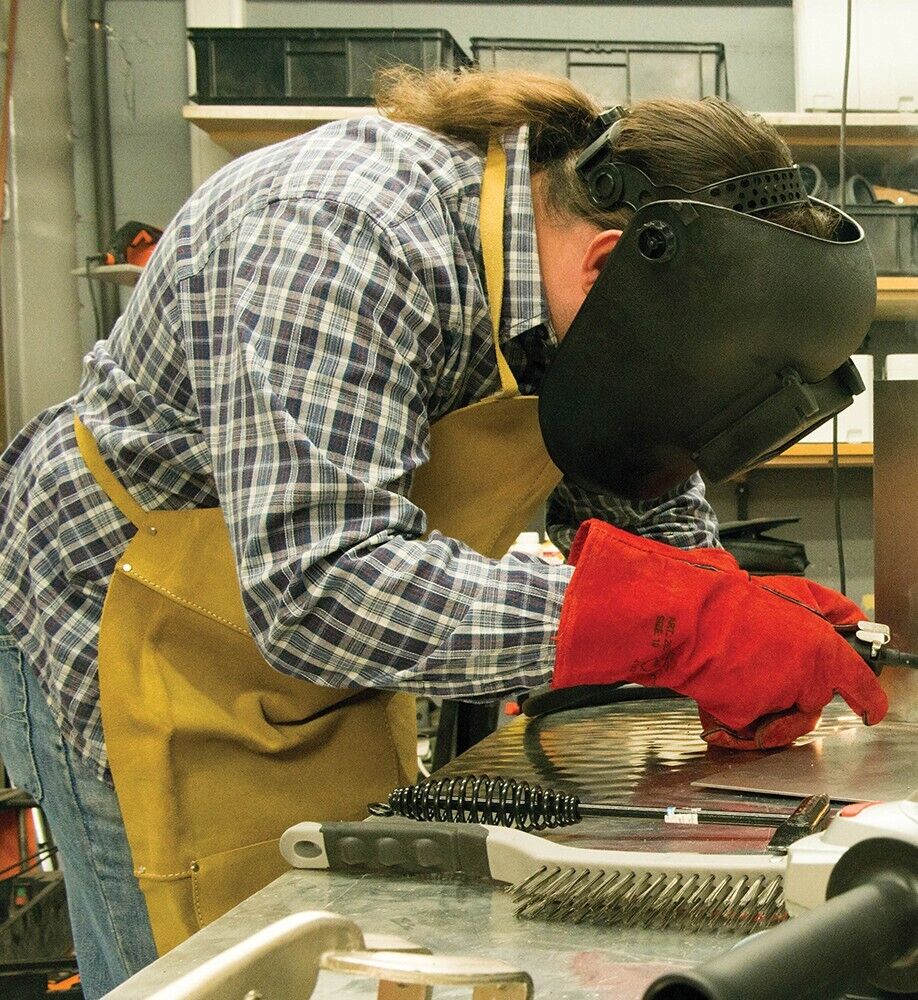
(884, 66)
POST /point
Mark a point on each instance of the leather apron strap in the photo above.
(106, 479)
(488, 471)
(491, 227)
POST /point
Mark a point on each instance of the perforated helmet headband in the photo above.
(611, 182)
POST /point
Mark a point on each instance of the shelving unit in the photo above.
(874, 141)
(118, 274)
(820, 455)
(241, 128)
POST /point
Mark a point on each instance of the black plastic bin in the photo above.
(309, 65)
(892, 232)
(616, 72)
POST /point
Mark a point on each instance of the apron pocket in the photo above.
(222, 880)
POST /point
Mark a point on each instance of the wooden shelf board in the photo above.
(241, 128)
(820, 456)
(897, 298)
(891, 127)
(881, 138)
(879, 143)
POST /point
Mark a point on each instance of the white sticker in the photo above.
(686, 817)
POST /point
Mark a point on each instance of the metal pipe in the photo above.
(103, 173)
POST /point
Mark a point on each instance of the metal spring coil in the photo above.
(481, 799)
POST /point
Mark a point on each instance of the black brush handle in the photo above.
(407, 848)
(865, 933)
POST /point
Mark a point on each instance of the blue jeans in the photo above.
(111, 929)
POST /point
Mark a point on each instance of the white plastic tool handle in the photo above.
(810, 860)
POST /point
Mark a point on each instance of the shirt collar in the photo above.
(524, 305)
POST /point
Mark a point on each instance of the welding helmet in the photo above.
(712, 338)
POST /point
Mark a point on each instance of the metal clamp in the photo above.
(283, 960)
(406, 976)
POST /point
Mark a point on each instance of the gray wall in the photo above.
(147, 65)
(759, 40)
(41, 346)
(47, 313)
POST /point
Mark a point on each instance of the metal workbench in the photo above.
(647, 753)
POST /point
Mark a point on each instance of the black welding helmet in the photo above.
(712, 338)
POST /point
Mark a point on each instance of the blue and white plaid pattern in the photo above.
(306, 315)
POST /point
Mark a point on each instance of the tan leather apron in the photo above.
(214, 753)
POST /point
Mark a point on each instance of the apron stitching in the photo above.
(142, 872)
(186, 603)
(196, 898)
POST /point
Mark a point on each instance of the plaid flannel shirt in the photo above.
(306, 316)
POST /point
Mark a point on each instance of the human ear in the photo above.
(596, 255)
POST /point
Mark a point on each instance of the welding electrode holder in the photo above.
(871, 641)
(867, 931)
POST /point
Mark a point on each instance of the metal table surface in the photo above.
(646, 753)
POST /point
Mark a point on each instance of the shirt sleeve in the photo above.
(321, 350)
(682, 518)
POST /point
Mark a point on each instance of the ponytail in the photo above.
(685, 143)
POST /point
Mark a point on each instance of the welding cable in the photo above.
(842, 139)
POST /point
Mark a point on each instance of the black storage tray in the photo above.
(892, 232)
(309, 65)
(616, 72)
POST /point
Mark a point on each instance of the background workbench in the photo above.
(646, 753)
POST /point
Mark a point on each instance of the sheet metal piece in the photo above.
(849, 765)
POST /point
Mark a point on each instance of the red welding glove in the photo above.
(760, 663)
(783, 728)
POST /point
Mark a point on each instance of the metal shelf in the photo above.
(118, 274)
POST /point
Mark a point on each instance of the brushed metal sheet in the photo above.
(850, 765)
(641, 753)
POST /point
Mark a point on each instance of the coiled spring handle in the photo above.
(511, 802)
(481, 799)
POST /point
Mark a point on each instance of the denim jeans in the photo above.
(111, 929)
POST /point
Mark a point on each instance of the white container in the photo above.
(883, 75)
(901, 367)
(855, 424)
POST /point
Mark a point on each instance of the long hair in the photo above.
(686, 143)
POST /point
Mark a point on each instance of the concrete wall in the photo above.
(47, 313)
(41, 345)
(147, 65)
